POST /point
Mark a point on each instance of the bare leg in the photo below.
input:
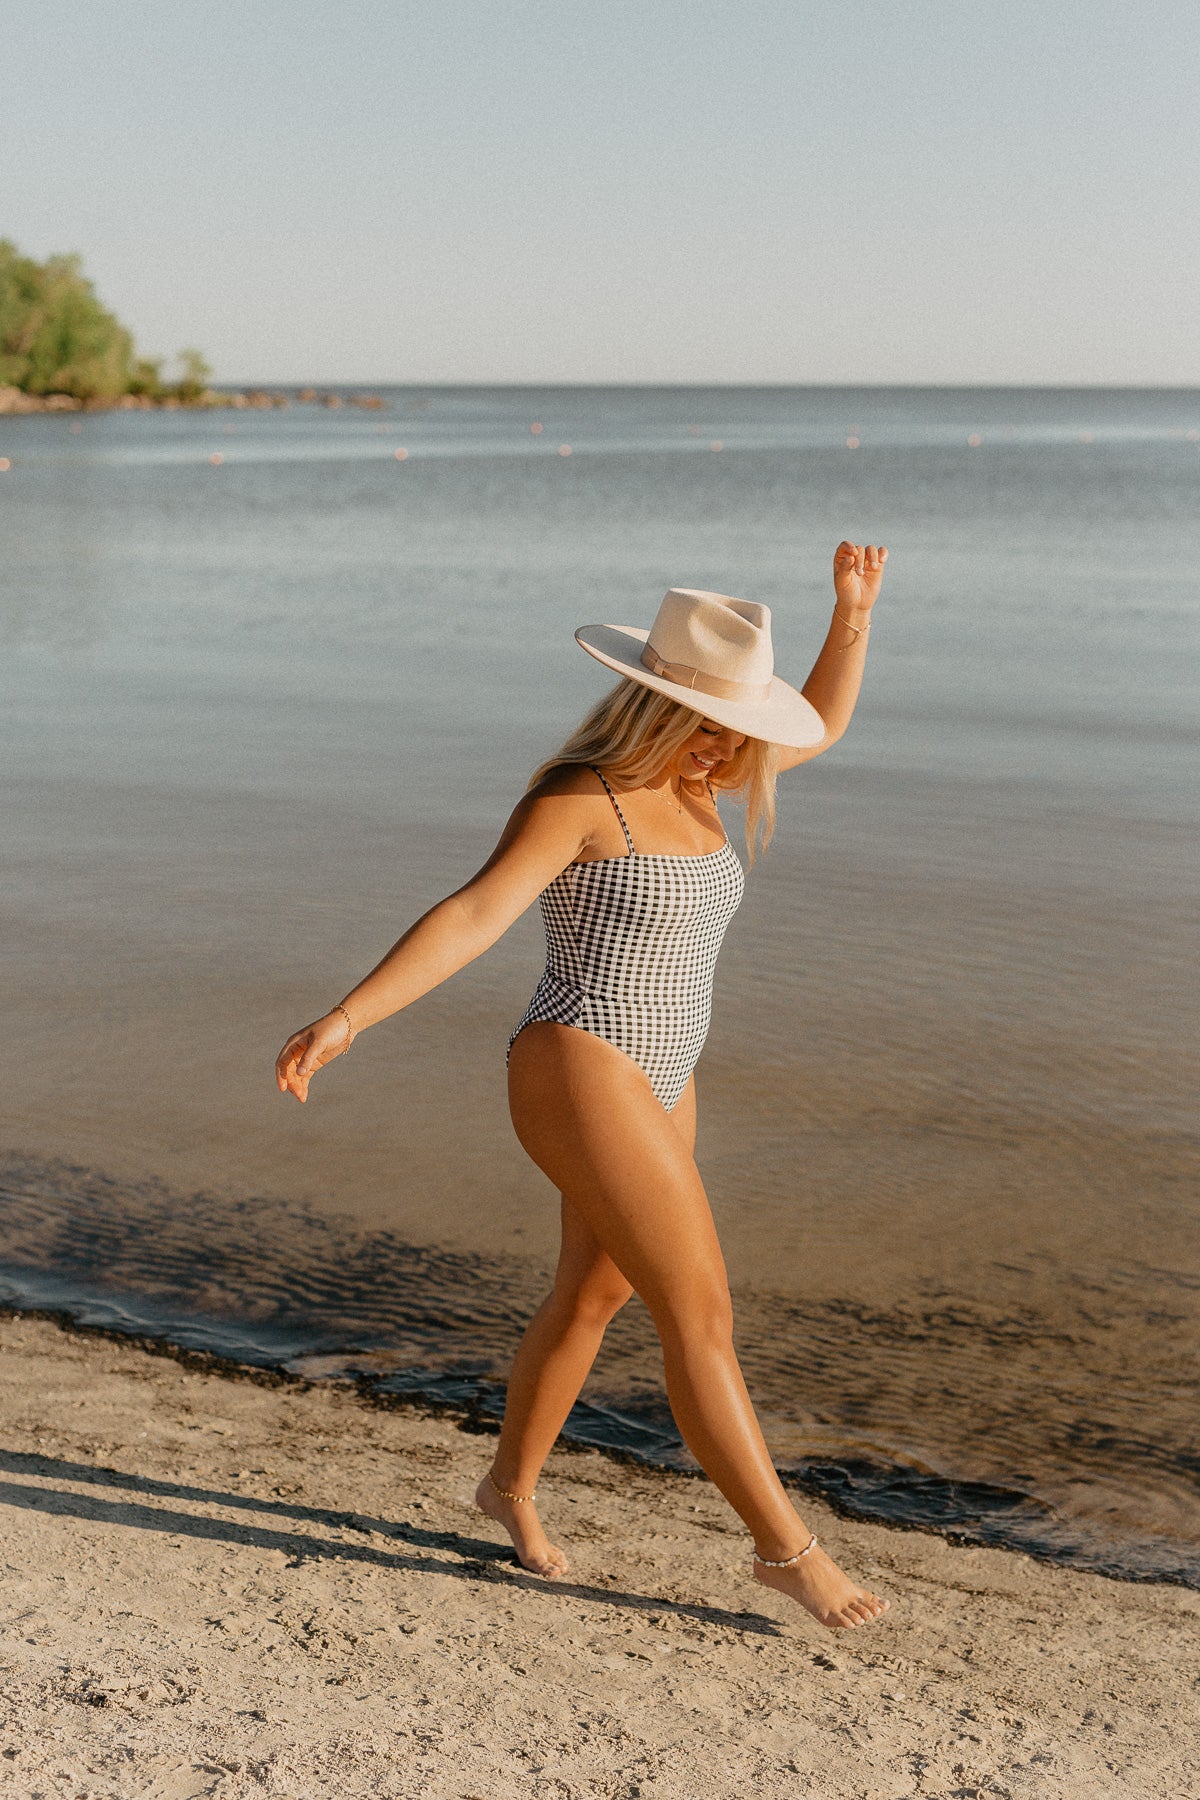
(587, 1116)
(551, 1365)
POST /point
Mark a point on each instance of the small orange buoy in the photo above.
(1193, 437)
(974, 440)
(537, 429)
(401, 455)
(5, 464)
(564, 449)
(216, 458)
(716, 444)
(852, 443)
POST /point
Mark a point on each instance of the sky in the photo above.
(649, 191)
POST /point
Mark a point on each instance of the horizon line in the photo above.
(1132, 387)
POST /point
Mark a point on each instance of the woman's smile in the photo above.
(709, 747)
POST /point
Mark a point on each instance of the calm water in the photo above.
(257, 713)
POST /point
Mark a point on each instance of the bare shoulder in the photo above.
(568, 779)
(567, 803)
(548, 828)
(567, 806)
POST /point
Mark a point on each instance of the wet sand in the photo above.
(243, 1587)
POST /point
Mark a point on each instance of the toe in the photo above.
(552, 1565)
(869, 1607)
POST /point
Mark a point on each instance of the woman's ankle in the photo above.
(516, 1495)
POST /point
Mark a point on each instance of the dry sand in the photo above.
(229, 1588)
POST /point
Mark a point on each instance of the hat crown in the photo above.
(715, 634)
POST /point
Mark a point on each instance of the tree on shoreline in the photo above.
(57, 338)
(195, 377)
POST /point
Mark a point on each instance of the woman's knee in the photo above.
(592, 1301)
(700, 1314)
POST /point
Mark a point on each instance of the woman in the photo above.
(620, 837)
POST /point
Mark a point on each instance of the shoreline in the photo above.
(961, 1508)
(261, 1584)
(15, 403)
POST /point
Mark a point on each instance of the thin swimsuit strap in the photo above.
(616, 809)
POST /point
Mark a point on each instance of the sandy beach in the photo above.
(233, 1587)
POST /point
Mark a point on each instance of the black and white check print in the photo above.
(631, 945)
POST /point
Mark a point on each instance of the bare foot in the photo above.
(829, 1595)
(534, 1549)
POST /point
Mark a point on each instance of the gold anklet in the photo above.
(517, 1499)
(788, 1560)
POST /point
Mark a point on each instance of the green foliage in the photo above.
(195, 376)
(145, 377)
(57, 338)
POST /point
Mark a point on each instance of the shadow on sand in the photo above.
(457, 1555)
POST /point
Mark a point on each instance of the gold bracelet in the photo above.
(350, 1031)
(858, 630)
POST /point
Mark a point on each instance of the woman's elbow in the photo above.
(479, 923)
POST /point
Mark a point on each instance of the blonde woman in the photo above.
(619, 836)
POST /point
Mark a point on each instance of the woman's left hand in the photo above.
(857, 574)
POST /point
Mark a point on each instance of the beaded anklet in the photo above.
(517, 1499)
(788, 1560)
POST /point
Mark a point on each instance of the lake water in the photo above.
(259, 712)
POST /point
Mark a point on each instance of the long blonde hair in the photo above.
(634, 731)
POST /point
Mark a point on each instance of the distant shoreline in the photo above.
(16, 403)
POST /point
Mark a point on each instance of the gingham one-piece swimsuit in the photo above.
(631, 944)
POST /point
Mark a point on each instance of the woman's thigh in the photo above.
(588, 1117)
(683, 1116)
(586, 1272)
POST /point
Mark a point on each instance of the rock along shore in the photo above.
(15, 401)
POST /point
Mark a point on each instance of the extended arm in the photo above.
(546, 832)
(832, 687)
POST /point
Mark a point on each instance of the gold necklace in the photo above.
(676, 801)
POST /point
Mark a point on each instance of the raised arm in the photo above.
(547, 830)
(836, 676)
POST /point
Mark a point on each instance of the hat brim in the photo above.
(784, 717)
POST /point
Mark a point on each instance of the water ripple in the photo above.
(932, 1412)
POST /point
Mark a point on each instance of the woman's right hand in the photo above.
(309, 1050)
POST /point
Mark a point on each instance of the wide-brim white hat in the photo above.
(712, 653)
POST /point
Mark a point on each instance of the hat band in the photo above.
(702, 683)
